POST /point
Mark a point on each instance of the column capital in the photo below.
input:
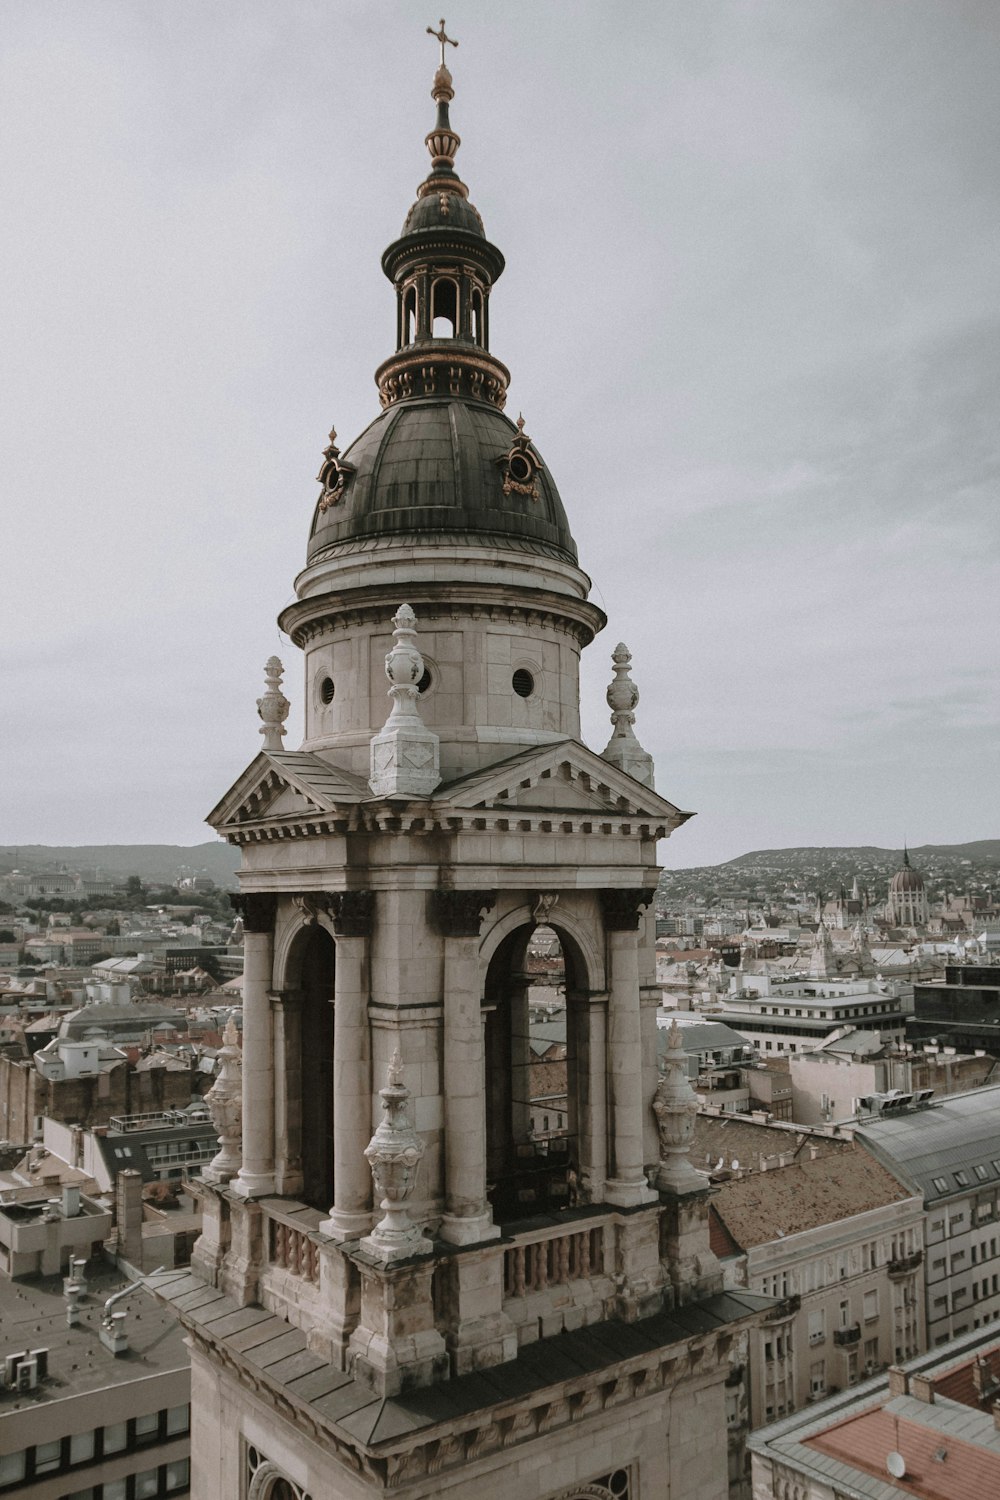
(349, 912)
(460, 913)
(352, 913)
(257, 909)
(621, 909)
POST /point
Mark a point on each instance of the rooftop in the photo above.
(793, 1199)
(928, 1413)
(33, 1316)
(946, 1150)
(276, 1356)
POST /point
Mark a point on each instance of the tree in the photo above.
(6, 936)
(134, 886)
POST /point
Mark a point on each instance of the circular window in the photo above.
(327, 690)
(519, 468)
(523, 683)
(424, 682)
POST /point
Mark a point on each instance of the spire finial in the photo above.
(442, 38)
(623, 749)
(273, 706)
(404, 758)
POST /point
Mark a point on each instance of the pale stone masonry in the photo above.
(507, 1316)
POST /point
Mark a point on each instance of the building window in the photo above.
(871, 1306)
(115, 1438)
(81, 1447)
(178, 1420)
(12, 1467)
(48, 1456)
(817, 1378)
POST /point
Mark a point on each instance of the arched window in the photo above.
(537, 1044)
(444, 308)
(477, 316)
(409, 314)
(309, 1065)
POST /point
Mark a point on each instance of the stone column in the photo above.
(286, 1009)
(467, 1217)
(620, 910)
(350, 1215)
(593, 1110)
(256, 1177)
(650, 999)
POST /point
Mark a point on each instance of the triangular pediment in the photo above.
(285, 786)
(564, 777)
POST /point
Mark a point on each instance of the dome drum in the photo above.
(440, 368)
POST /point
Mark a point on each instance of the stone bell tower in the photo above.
(423, 1268)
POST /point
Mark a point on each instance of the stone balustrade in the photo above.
(553, 1259)
(292, 1249)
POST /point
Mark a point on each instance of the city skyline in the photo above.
(748, 314)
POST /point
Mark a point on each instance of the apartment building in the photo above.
(839, 1239)
(94, 1400)
(949, 1153)
(929, 1429)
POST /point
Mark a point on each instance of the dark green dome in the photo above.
(438, 467)
(443, 210)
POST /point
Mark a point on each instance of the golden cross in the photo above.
(441, 38)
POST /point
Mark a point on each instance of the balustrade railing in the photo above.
(293, 1250)
(553, 1261)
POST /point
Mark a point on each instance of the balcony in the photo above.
(553, 1259)
(903, 1265)
(846, 1337)
(786, 1308)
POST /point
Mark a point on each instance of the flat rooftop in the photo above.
(33, 1316)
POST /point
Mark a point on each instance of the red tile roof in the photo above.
(864, 1442)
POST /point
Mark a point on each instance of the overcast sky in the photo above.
(751, 314)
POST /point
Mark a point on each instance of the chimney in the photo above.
(128, 1206)
(71, 1200)
(898, 1385)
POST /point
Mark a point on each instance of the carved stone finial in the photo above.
(405, 756)
(225, 1103)
(623, 749)
(394, 1153)
(675, 1106)
(273, 707)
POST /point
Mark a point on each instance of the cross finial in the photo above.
(441, 38)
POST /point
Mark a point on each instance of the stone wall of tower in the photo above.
(663, 1442)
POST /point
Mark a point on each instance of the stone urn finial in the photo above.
(394, 1153)
(225, 1103)
(273, 707)
(405, 756)
(623, 749)
(675, 1106)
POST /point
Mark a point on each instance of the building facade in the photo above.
(950, 1154)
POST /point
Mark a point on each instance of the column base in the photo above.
(253, 1185)
(629, 1194)
(468, 1231)
(345, 1225)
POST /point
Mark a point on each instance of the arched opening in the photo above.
(444, 308)
(315, 1103)
(409, 315)
(537, 1042)
(477, 316)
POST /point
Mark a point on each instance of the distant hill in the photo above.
(152, 862)
(826, 868)
(979, 849)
